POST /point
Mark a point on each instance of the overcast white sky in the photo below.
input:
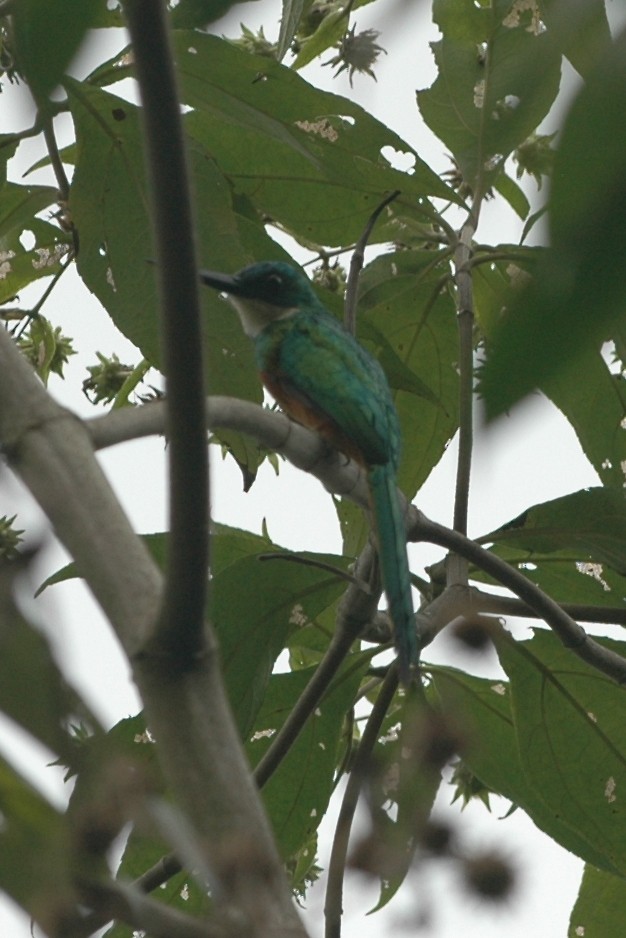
(534, 456)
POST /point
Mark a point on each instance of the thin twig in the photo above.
(31, 314)
(356, 264)
(336, 868)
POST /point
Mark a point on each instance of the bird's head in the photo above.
(262, 293)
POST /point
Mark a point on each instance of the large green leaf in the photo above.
(192, 14)
(35, 852)
(255, 606)
(33, 691)
(581, 30)
(569, 724)
(498, 74)
(566, 578)
(19, 205)
(600, 909)
(109, 207)
(22, 262)
(595, 406)
(47, 245)
(297, 794)
(576, 300)
(591, 522)
(593, 398)
(47, 38)
(484, 709)
(401, 297)
(318, 166)
(495, 279)
(292, 11)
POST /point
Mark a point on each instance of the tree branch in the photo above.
(303, 448)
(568, 631)
(180, 631)
(55, 157)
(127, 904)
(336, 868)
(50, 449)
(200, 750)
(306, 451)
(510, 606)
(465, 316)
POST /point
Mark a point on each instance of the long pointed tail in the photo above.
(394, 565)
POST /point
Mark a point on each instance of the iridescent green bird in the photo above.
(323, 378)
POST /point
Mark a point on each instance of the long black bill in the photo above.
(225, 283)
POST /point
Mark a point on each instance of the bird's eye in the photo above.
(274, 278)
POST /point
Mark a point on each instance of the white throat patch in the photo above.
(255, 315)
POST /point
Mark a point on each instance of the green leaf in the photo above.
(35, 852)
(318, 168)
(495, 278)
(20, 204)
(498, 74)
(47, 39)
(46, 244)
(33, 691)
(569, 726)
(576, 301)
(108, 201)
(329, 32)
(21, 266)
(590, 523)
(297, 794)
(484, 710)
(325, 33)
(401, 297)
(192, 14)
(596, 409)
(581, 31)
(600, 909)
(292, 12)
(8, 148)
(404, 755)
(563, 576)
(513, 194)
(255, 606)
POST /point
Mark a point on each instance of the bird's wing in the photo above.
(327, 381)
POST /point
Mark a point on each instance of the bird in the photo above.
(325, 380)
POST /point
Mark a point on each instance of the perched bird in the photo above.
(323, 378)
